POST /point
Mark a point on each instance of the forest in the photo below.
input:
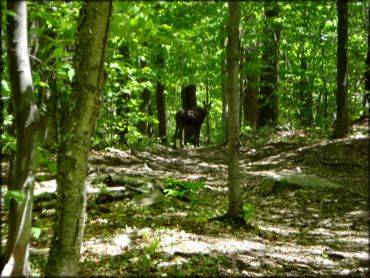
(185, 138)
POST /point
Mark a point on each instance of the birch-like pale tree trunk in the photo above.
(15, 260)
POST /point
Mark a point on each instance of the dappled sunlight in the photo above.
(307, 226)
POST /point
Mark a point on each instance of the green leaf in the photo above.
(71, 74)
(35, 232)
(16, 195)
(42, 84)
(149, 24)
(248, 211)
(166, 27)
(48, 17)
(134, 21)
(5, 85)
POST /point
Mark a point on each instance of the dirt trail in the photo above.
(311, 231)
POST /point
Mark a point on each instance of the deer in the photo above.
(194, 118)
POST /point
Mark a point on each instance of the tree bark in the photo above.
(15, 260)
(189, 101)
(250, 92)
(305, 97)
(367, 69)
(225, 106)
(235, 201)
(161, 100)
(80, 120)
(143, 124)
(208, 124)
(268, 107)
(48, 125)
(48, 118)
(342, 121)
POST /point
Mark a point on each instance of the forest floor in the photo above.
(319, 227)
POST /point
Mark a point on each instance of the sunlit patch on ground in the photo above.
(318, 230)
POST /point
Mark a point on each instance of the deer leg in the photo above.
(176, 134)
(197, 134)
(180, 134)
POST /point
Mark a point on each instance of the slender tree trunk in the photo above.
(342, 121)
(161, 101)
(189, 101)
(268, 102)
(143, 124)
(208, 125)
(144, 109)
(367, 66)
(323, 78)
(80, 120)
(25, 112)
(305, 100)
(250, 92)
(48, 126)
(241, 80)
(48, 118)
(235, 201)
(225, 106)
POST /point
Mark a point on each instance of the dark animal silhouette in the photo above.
(193, 118)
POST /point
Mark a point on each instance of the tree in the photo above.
(144, 106)
(15, 261)
(367, 64)
(251, 89)
(235, 201)
(225, 107)
(268, 106)
(189, 102)
(77, 128)
(160, 97)
(342, 121)
(44, 69)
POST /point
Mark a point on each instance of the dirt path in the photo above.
(311, 231)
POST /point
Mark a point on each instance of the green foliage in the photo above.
(35, 232)
(248, 211)
(45, 159)
(189, 36)
(152, 247)
(103, 189)
(16, 195)
(8, 142)
(183, 189)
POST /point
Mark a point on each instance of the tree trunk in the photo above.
(208, 125)
(144, 109)
(242, 51)
(161, 101)
(268, 107)
(48, 118)
(323, 59)
(15, 260)
(189, 101)
(48, 125)
(367, 69)
(235, 201)
(188, 97)
(143, 124)
(342, 121)
(80, 120)
(305, 99)
(250, 92)
(223, 87)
